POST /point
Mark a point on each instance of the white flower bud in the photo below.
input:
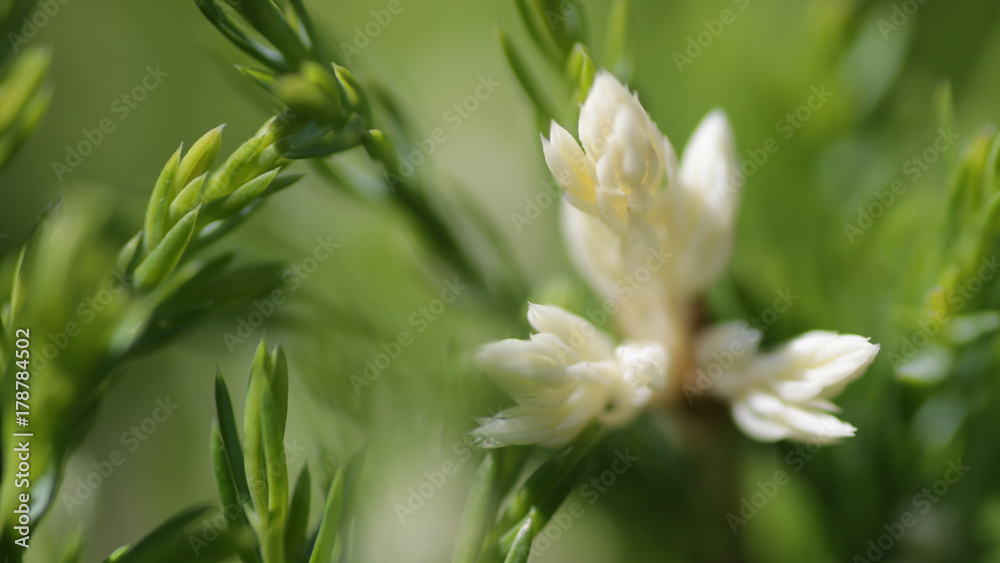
(564, 377)
(699, 210)
(618, 177)
(784, 394)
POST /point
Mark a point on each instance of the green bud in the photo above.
(253, 438)
(245, 194)
(162, 260)
(580, 70)
(159, 202)
(279, 384)
(263, 78)
(200, 158)
(380, 147)
(187, 199)
(313, 92)
(243, 163)
(357, 100)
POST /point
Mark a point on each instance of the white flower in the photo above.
(784, 393)
(626, 156)
(564, 377)
(627, 176)
(650, 234)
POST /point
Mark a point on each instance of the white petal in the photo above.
(523, 360)
(708, 159)
(597, 115)
(594, 248)
(767, 418)
(784, 394)
(818, 364)
(518, 426)
(757, 426)
(569, 166)
(604, 373)
(589, 343)
(699, 210)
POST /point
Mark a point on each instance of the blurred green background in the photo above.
(433, 54)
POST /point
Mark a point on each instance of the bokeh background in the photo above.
(433, 54)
